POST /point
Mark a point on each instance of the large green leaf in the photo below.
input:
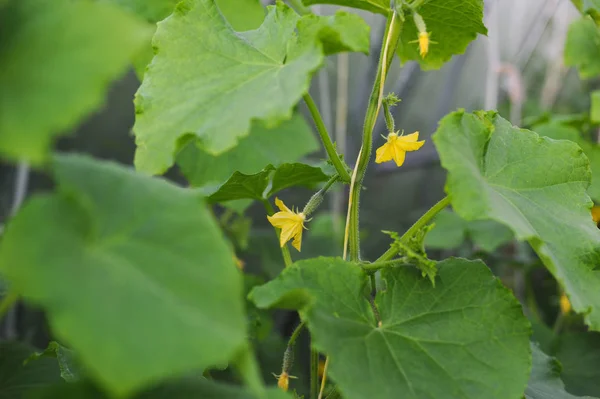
(288, 142)
(132, 271)
(17, 379)
(58, 58)
(242, 15)
(450, 231)
(189, 388)
(377, 6)
(559, 131)
(545, 382)
(579, 354)
(241, 186)
(465, 338)
(582, 48)
(534, 185)
(453, 24)
(223, 81)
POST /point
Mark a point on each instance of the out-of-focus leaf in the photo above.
(17, 378)
(583, 47)
(58, 59)
(120, 262)
(70, 370)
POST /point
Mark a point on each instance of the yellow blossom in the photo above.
(291, 224)
(283, 381)
(423, 43)
(565, 305)
(396, 147)
(596, 214)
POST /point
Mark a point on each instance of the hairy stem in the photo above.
(285, 252)
(419, 224)
(300, 7)
(339, 165)
(391, 38)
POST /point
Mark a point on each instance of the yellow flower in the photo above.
(596, 214)
(283, 381)
(565, 305)
(423, 43)
(397, 146)
(291, 224)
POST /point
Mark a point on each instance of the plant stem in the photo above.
(314, 373)
(285, 252)
(7, 302)
(324, 380)
(300, 7)
(375, 266)
(419, 224)
(391, 38)
(335, 159)
(296, 333)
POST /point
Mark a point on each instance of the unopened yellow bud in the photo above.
(565, 304)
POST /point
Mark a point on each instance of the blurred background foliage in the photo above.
(518, 69)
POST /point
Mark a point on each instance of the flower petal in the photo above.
(411, 146)
(384, 153)
(279, 203)
(297, 243)
(409, 137)
(399, 154)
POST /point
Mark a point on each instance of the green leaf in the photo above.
(288, 142)
(150, 10)
(242, 15)
(58, 59)
(184, 389)
(545, 382)
(223, 82)
(17, 379)
(534, 185)
(241, 186)
(338, 33)
(450, 231)
(582, 48)
(579, 354)
(114, 254)
(376, 6)
(591, 150)
(70, 370)
(453, 24)
(595, 107)
(466, 338)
